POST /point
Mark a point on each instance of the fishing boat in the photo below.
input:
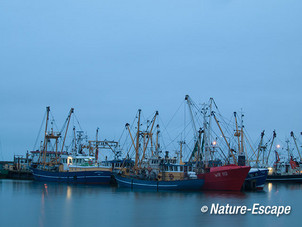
(58, 166)
(218, 177)
(256, 178)
(181, 185)
(74, 169)
(155, 172)
(225, 178)
(161, 174)
(288, 170)
(258, 174)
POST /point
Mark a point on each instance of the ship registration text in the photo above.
(255, 210)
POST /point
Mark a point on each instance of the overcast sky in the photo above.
(109, 58)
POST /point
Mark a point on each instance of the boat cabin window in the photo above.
(181, 168)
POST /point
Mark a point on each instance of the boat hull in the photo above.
(178, 185)
(78, 177)
(224, 178)
(259, 176)
(285, 178)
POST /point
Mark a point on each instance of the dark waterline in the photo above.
(29, 203)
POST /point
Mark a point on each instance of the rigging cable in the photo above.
(39, 132)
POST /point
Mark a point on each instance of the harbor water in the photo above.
(30, 203)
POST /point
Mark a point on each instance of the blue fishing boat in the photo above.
(150, 171)
(258, 177)
(79, 177)
(77, 167)
(176, 185)
(74, 169)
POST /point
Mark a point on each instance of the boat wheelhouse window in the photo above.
(175, 168)
(181, 168)
(171, 168)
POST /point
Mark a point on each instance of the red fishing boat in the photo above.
(224, 178)
(216, 176)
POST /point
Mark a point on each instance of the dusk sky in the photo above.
(109, 58)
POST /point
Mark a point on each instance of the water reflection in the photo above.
(69, 191)
(269, 187)
(72, 205)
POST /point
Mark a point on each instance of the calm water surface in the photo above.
(29, 203)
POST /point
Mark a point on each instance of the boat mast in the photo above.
(151, 143)
(217, 122)
(150, 133)
(157, 144)
(237, 133)
(294, 138)
(56, 138)
(259, 147)
(206, 137)
(68, 120)
(187, 98)
(242, 145)
(137, 139)
(209, 144)
(45, 136)
(96, 145)
(180, 152)
(75, 140)
(269, 152)
(189, 102)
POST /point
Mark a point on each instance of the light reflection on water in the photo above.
(51, 204)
